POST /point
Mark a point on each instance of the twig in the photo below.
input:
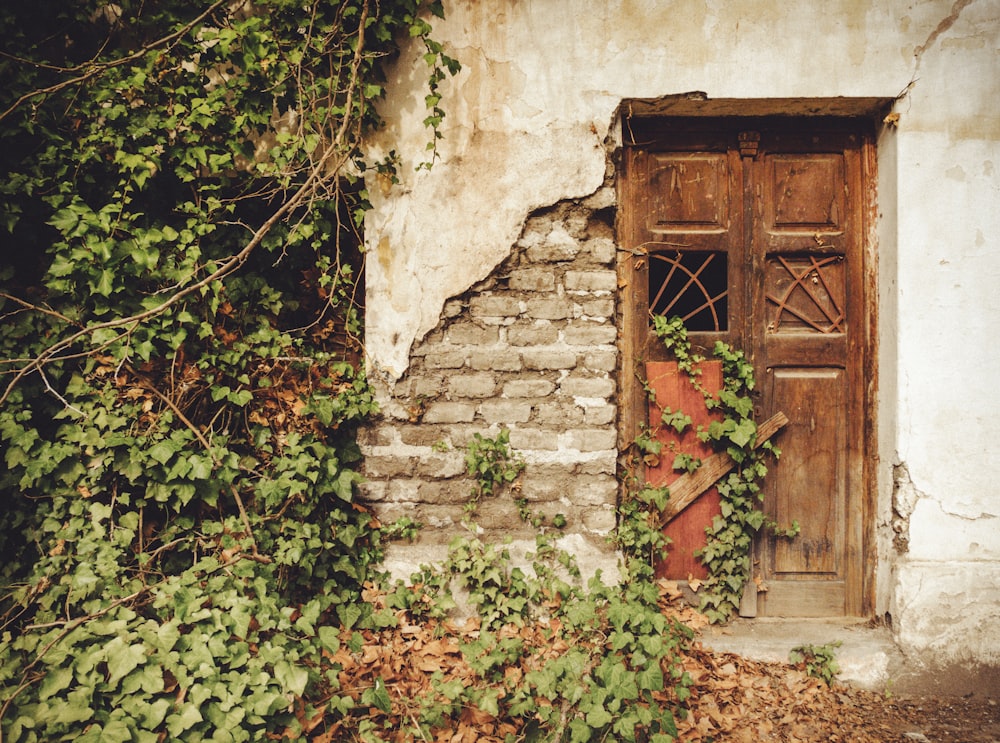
(36, 308)
(59, 397)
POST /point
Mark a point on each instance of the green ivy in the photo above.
(819, 661)
(180, 382)
(608, 667)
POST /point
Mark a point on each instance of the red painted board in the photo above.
(673, 389)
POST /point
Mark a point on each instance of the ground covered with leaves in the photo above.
(402, 677)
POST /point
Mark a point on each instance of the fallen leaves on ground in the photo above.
(395, 675)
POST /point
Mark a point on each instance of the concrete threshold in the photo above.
(867, 655)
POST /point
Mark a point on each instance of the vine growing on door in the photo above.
(727, 553)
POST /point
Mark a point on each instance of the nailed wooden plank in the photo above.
(686, 488)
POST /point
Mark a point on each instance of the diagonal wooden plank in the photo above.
(686, 488)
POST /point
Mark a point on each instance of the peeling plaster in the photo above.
(904, 499)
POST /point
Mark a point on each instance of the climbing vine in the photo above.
(727, 553)
(179, 357)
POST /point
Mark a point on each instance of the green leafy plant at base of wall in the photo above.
(609, 665)
(608, 668)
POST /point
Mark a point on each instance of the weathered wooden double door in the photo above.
(754, 231)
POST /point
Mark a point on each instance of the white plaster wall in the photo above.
(526, 124)
(946, 597)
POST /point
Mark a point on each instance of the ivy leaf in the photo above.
(651, 677)
(105, 284)
(64, 220)
(55, 681)
(293, 678)
(162, 452)
(123, 658)
(598, 717)
(185, 719)
(377, 696)
(329, 638)
(743, 433)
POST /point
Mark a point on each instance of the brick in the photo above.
(591, 281)
(476, 385)
(447, 358)
(399, 490)
(601, 249)
(471, 334)
(532, 280)
(535, 230)
(427, 385)
(559, 413)
(558, 245)
(534, 438)
(592, 387)
(576, 222)
(594, 490)
(450, 412)
(547, 482)
(373, 491)
(605, 361)
(378, 466)
(594, 439)
(549, 359)
(501, 515)
(494, 306)
(528, 388)
(441, 492)
(600, 520)
(375, 436)
(600, 463)
(429, 341)
(532, 335)
(602, 198)
(601, 415)
(503, 359)
(460, 435)
(551, 308)
(601, 307)
(390, 511)
(420, 435)
(590, 334)
(441, 465)
(505, 412)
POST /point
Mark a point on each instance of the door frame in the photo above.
(861, 590)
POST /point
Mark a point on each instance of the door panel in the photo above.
(808, 487)
(752, 230)
(806, 192)
(689, 192)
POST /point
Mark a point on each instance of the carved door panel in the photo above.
(752, 230)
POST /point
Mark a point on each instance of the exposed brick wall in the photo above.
(531, 349)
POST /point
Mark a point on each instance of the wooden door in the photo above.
(753, 231)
